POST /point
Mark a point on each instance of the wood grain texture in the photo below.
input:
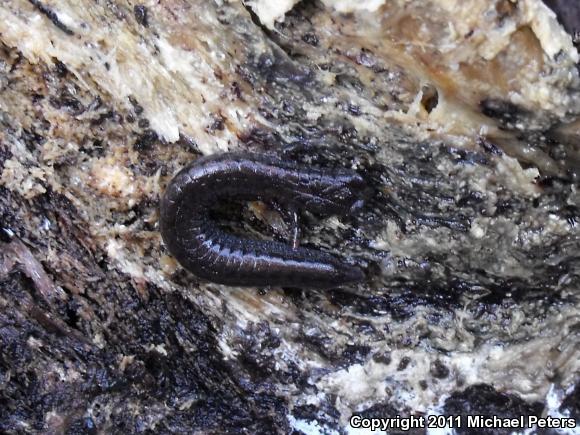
(462, 116)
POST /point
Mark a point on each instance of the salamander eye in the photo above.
(357, 206)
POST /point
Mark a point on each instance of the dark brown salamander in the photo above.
(207, 251)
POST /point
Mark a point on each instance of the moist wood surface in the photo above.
(465, 126)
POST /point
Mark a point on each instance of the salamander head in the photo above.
(342, 193)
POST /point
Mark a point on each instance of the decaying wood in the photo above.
(463, 116)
